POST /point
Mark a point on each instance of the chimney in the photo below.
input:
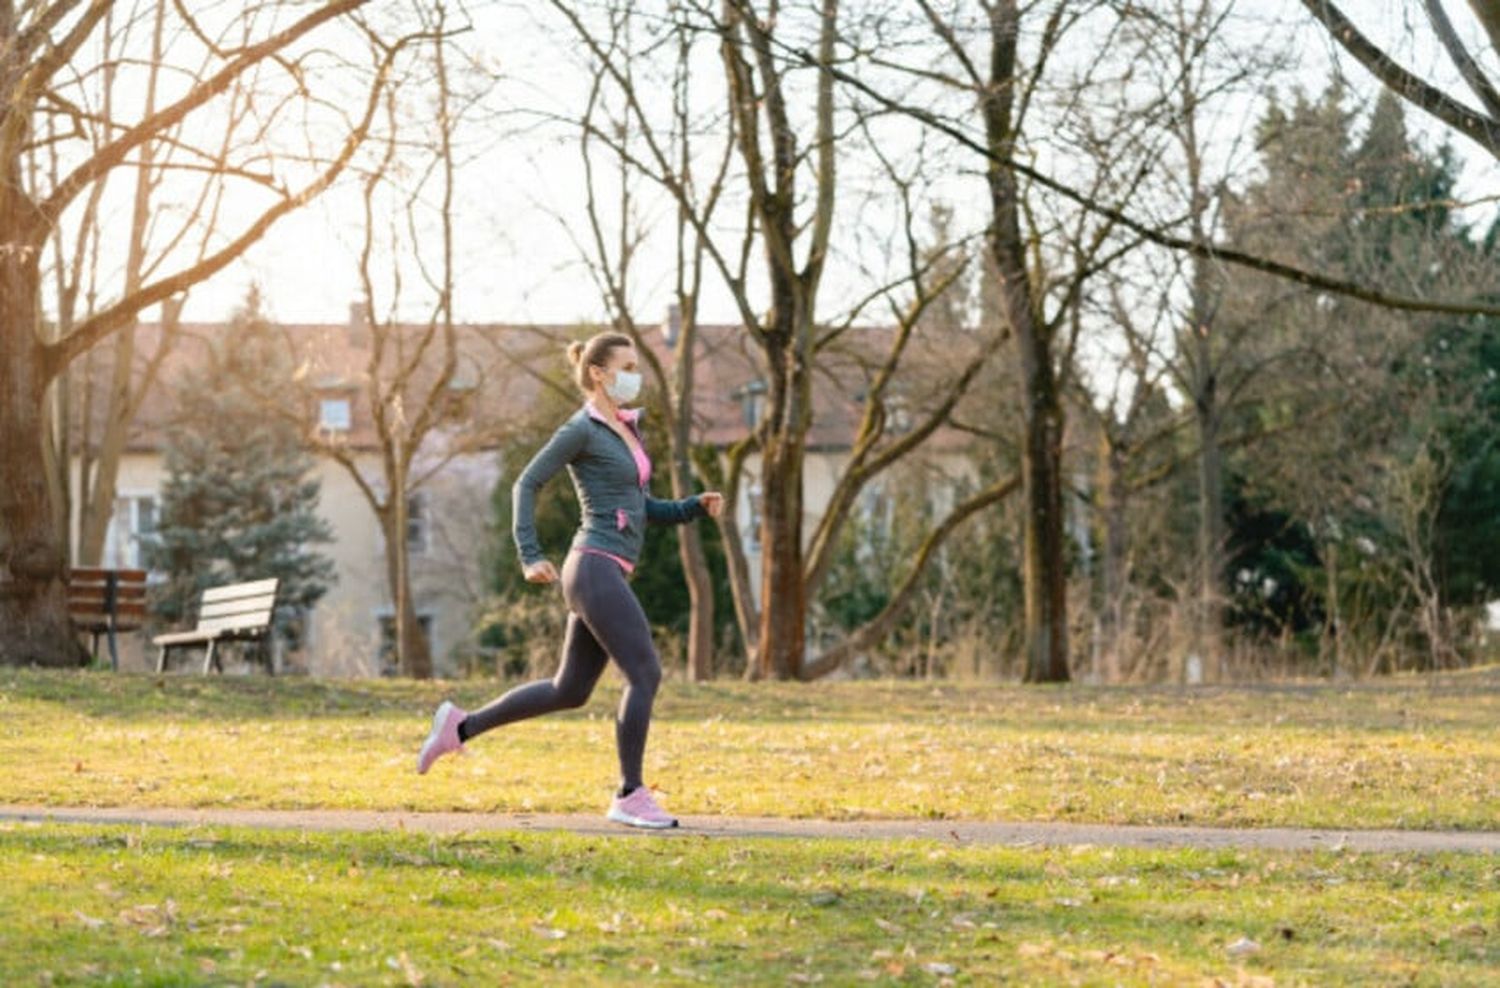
(671, 327)
(359, 323)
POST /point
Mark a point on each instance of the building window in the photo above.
(418, 525)
(333, 414)
(386, 656)
(752, 398)
(132, 524)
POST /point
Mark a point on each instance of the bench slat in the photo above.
(94, 574)
(96, 594)
(244, 622)
(94, 611)
(226, 608)
(235, 591)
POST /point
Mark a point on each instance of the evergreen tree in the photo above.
(1384, 391)
(238, 503)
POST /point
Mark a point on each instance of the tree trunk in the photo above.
(99, 509)
(1210, 610)
(700, 655)
(1045, 561)
(1044, 573)
(34, 627)
(412, 651)
(700, 645)
(1114, 495)
(783, 597)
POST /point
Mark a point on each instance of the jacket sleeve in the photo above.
(669, 512)
(566, 443)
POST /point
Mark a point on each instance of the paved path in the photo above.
(948, 831)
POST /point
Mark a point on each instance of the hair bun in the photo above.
(575, 352)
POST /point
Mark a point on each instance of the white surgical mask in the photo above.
(625, 387)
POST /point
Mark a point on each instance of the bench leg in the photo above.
(161, 659)
(208, 659)
(114, 651)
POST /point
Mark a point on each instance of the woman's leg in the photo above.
(583, 659)
(601, 596)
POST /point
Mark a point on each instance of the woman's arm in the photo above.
(566, 443)
(679, 512)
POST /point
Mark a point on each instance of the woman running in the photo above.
(602, 449)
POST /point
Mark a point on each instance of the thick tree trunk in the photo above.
(1044, 573)
(1045, 560)
(782, 640)
(34, 627)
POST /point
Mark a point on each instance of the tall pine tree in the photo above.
(238, 503)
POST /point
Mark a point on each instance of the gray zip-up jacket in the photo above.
(614, 502)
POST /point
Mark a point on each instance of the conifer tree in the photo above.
(238, 503)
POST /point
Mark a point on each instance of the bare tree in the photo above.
(419, 379)
(1482, 124)
(792, 227)
(40, 45)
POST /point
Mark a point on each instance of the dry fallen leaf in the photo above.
(1242, 946)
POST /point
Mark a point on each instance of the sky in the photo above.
(520, 187)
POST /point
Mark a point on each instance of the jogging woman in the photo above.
(602, 449)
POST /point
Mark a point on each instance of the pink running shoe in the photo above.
(639, 809)
(444, 736)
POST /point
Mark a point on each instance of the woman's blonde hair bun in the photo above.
(593, 352)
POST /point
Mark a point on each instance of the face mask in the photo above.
(625, 387)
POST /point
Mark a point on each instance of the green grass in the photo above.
(1406, 753)
(130, 905)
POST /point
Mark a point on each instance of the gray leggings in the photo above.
(605, 621)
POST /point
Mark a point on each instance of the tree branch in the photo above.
(879, 626)
(114, 152)
(1482, 130)
(91, 331)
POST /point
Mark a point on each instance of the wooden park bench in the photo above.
(238, 612)
(105, 602)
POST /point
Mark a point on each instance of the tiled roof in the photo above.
(506, 366)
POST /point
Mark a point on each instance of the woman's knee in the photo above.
(645, 674)
(572, 694)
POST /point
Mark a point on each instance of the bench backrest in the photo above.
(238, 606)
(91, 598)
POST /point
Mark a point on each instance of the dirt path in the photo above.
(948, 831)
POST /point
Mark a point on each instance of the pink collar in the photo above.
(630, 416)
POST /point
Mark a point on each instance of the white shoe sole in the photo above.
(438, 720)
(620, 816)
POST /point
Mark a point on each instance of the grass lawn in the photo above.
(1414, 753)
(131, 905)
